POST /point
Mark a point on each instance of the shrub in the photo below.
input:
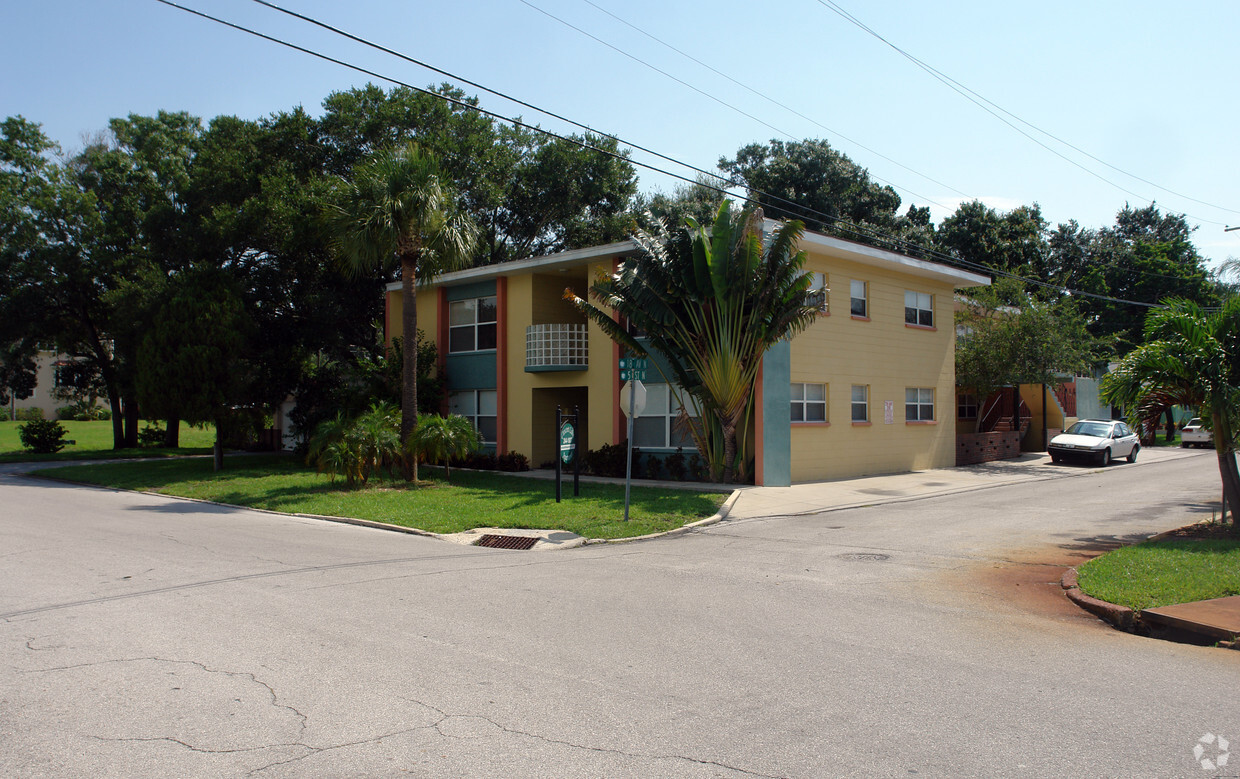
(676, 465)
(151, 436)
(29, 414)
(607, 460)
(357, 448)
(82, 411)
(654, 466)
(43, 436)
(697, 467)
(513, 461)
(442, 439)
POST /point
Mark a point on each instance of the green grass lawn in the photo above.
(1162, 573)
(472, 498)
(94, 441)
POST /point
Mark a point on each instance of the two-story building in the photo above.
(868, 388)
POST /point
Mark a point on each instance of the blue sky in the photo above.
(1147, 87)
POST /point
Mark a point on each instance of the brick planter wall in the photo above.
(984, 447)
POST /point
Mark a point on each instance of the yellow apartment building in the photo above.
(868, 388)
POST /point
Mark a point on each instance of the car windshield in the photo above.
(1194, 422)
(1097, 429)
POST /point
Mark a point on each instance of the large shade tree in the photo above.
(1191, 358)
(711, 300)
(399, 209)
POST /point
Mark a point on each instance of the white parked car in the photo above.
(1194, 434)
(1100, 440)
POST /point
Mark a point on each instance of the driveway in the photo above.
(145, 636)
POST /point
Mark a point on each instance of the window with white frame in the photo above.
(918, 308)
(480, 407)
(809, 402)
(966, 406)
(860, 403)
(471, 325)
(919, 404)
(820, 292)
(657, 427)
(858, 300)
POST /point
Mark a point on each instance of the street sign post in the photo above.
(633, 399)
(632, 403)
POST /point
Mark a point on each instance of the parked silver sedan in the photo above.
(1100, 440)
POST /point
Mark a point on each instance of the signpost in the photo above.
(632, 395)
(566, 439)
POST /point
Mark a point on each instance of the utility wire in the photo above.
(705, 94)
(856, 229)
(995, 110)
(775, 102)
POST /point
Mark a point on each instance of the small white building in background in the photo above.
(47, 363)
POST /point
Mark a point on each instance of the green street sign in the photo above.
(568, 442)
(632, 375)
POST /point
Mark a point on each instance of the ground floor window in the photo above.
(481, 407)
(656, 428)
(809, 402)
(860, 403)
(966, 406)
(919, 404)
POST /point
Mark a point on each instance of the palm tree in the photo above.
(440, 439)
(712, 300)
(1190, 358)
(397, 209)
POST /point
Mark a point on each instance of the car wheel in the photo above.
(1105, 458)
(1056, 459)
(1132, 456)
(1183, 444)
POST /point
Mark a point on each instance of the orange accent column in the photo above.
(501, 366)
(441, 340)
(758, 425)
(618, 421)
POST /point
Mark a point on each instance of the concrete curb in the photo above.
(1121, 617)
(718, 516)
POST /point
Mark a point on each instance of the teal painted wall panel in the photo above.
(777, 416)
(472, 370)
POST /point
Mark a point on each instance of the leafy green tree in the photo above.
(1190, 358)
(439, 439)
(1014, 241)
(1008, 337)
(814, 177)
(712, 299)
(191, 362)
(699, 201)
(398, 208)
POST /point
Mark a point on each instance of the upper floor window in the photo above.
(918, 308)
(809, 402)
(858, 301)
(820, 292)
(471, 325)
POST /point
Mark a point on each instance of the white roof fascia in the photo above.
(869, 255)
(568, 259)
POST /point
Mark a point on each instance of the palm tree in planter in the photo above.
(398, 210)
(1190, 358)
(439, 439)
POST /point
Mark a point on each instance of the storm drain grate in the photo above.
(507, 542)
(865, 557)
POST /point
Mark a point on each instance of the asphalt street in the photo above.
(147, 636)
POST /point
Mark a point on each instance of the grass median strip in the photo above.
(1163, 573)
(471, 499)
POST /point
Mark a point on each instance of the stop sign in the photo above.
(635, 392)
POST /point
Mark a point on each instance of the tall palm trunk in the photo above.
(409, 366)
(1223, 436)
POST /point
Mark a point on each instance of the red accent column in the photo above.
(501, 365)
(441, 340)
(759, 425)
(618, 420)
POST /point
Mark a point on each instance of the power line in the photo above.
(856, 229)
(720, 101)
(775, 102)
(979, 100)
